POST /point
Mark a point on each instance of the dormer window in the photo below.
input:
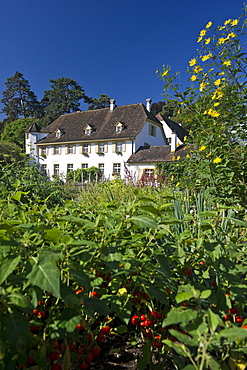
(119, 127)
(88, 130)
(58, 133)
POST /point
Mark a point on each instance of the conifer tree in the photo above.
(18, 99)
(102, 102)
(63, 97)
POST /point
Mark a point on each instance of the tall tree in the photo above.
(18, 99)
(63, 97)
(102, 102)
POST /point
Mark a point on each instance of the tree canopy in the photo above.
(63, 97)
(18, 99)
(102, 102)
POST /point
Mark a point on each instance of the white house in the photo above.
(105, 138)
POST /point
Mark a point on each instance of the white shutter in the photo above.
(66, 150)
(97, 148)
(60, 150)
(113, 147)
(74, 149)
(53, 150)
(106, 148)
(80, 148)
(89, 148)
(123, 146)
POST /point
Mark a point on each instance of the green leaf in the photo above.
(160, 296)
(183, 296)
(213, 320)
(144, 221)
(183, 338)
(146, 356)
(81, 278)
(93, 304)
(205, 294)
(20, 301)
(179, 348)
(17, 330)
(53, 235)
(46, 276)
(178, 315)
(69, 319)
(7, 266)
(233, 333)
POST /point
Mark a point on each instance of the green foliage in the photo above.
(63, 97)
(14, 132)
(83, 174)
(102, 102)
(8, 152)
(214, 105)
(18, 99)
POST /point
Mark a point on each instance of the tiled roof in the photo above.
(33, 128)
(157, 153)
(102, 122)
(174, 126)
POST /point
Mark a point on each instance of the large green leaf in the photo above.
(45, 275)
(52, 235)
(94, 304)
(16, 328)
(69, 319)
(144, 221)
(178, 315)
(233, 333)
(146, 356)
(80, 277)
(7, 266)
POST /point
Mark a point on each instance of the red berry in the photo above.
(239, 319)
(89, 358)
(95, 351)
(41, 303)
(244, 326)
(79, 291)
(226, 318)
(233, 310)
(138, 294)
(36, 311)
(148, 323)
(94, 294)
(80, 327)
(42, 314)
(31, 360)
(56, 367)
(84, 366)
(34, 329)
(54, 355)
(100, 337)
(135, 320)
(143, 317)
(105, 330)
(71, 347)
(157, 344)
(187, 271)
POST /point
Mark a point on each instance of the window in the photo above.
(58, 133)
(44, 168)
(101, 167)
(69, 167)
(56, 169)
(119, 129)
(85, 148)
(43, 151)
(119, 147)
(149, 172)
(101, 147)
(84, 165)
(56, 149)
(71, 149)
(88, 130)
(116, 167)
(169, 140)
(152, 130)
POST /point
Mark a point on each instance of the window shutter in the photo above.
(80, 148)
(113, 147)
(74, 149)
(53, 150)
(66, 150)
(89, 148)
(40, 151)
(123, 146)
(97, 148)
(60, 150)
(106, 148)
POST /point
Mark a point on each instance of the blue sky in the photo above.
(109, 47)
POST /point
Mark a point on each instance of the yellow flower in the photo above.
(192, 62)
(177, 184)
(222, 28)
(199, 39)
(221, 73)
(208, 155)
(227, 22)
(216, 104)
(198, 69)
(173, 158)
(221, 40)
(217, 160)
(203, 85)
(172, 150)
(209, 24)
(217, 82)
(206, 57)
(212, 112)
(207, 41)
(203, 147)
(203, 33)
(234, 22)
(187, 156)
(172, 178)
(231, 34)
(185, 138)
(193, 78)
(165, 72)
(178, 157)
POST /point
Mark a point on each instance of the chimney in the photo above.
(148, 104)
(112, 104)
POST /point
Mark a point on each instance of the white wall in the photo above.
(144, 137)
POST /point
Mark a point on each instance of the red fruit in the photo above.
(36, 311)
(96, 351)
(213, 283)
(158, 315)
(100, 337)
(233, 310)
(79, 291)
(226, 318)
(146, 296)
(244, 327)
(143, 317)
(42, 314)
(94, 294)
(71, 347)
(157, 344)
(41, 303)
(54, 355)
(202, 263)
(142, 324)
(84, 366)
(81, 351)
(239, 319)
(80, 327)
(138, 294)
(34, 329)
(105, 330)
(89, 358)
(148, 323)
(187, 271)
(135, 320)
(56, 367)
(31, 361)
